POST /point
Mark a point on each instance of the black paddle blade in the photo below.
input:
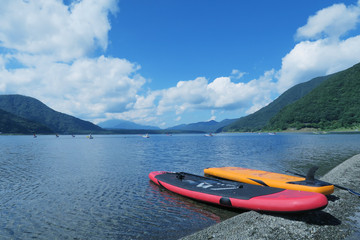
(311, 174)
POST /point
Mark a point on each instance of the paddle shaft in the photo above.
(335, 185)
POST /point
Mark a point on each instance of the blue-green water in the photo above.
(77, 188)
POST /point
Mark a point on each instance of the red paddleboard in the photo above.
(238, 195)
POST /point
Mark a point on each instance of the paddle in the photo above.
(310, 177)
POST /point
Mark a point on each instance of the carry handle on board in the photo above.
(310, 177)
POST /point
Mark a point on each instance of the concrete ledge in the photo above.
(339, 220)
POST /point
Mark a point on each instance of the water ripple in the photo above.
(76, 188)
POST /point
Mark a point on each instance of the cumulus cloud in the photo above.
(237, 74)
(85, 87)
(49, 43)
(47, 48)
(213, 116)
(323, 49)
(310, 59)
(200, 94)
(186, 94)
(333, 21)
(48, 27)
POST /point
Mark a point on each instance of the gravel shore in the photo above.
(339, 220)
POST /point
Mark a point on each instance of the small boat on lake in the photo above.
(146, 136)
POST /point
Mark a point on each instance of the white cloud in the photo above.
(48, 27)
(46, 55)
(199, 94)
(86, 87)
(185, 95)
(235, 73)
(333, 21)
(322, 50)
(212, 118)
(226, 94)
(50, 42)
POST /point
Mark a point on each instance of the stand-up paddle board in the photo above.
(238, 195)
(271, 179)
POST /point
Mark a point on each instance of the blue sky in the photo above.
(181, 40)
(167, 62)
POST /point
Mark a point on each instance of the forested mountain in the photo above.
(210, 126)
(335, 103)
(259, 119)
(34, 110)
(123, 124)
(10, 124)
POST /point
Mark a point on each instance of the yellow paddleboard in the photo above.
(270, 179)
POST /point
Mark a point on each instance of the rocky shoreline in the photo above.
(339, 220)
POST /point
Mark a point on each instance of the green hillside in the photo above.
(259, 119)
(34, 110)
(210, 126)
(11, 124)
(333, 104)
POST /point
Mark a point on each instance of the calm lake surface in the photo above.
(79, 188)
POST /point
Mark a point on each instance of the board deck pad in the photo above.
(264, 178)
(238, 195)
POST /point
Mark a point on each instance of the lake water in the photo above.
(77, 188)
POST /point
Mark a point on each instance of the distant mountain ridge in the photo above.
(210, 126)
(123, 124)
(32, 109)
(259, 119)
(326, 102)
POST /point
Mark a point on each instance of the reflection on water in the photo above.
(99, 189)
